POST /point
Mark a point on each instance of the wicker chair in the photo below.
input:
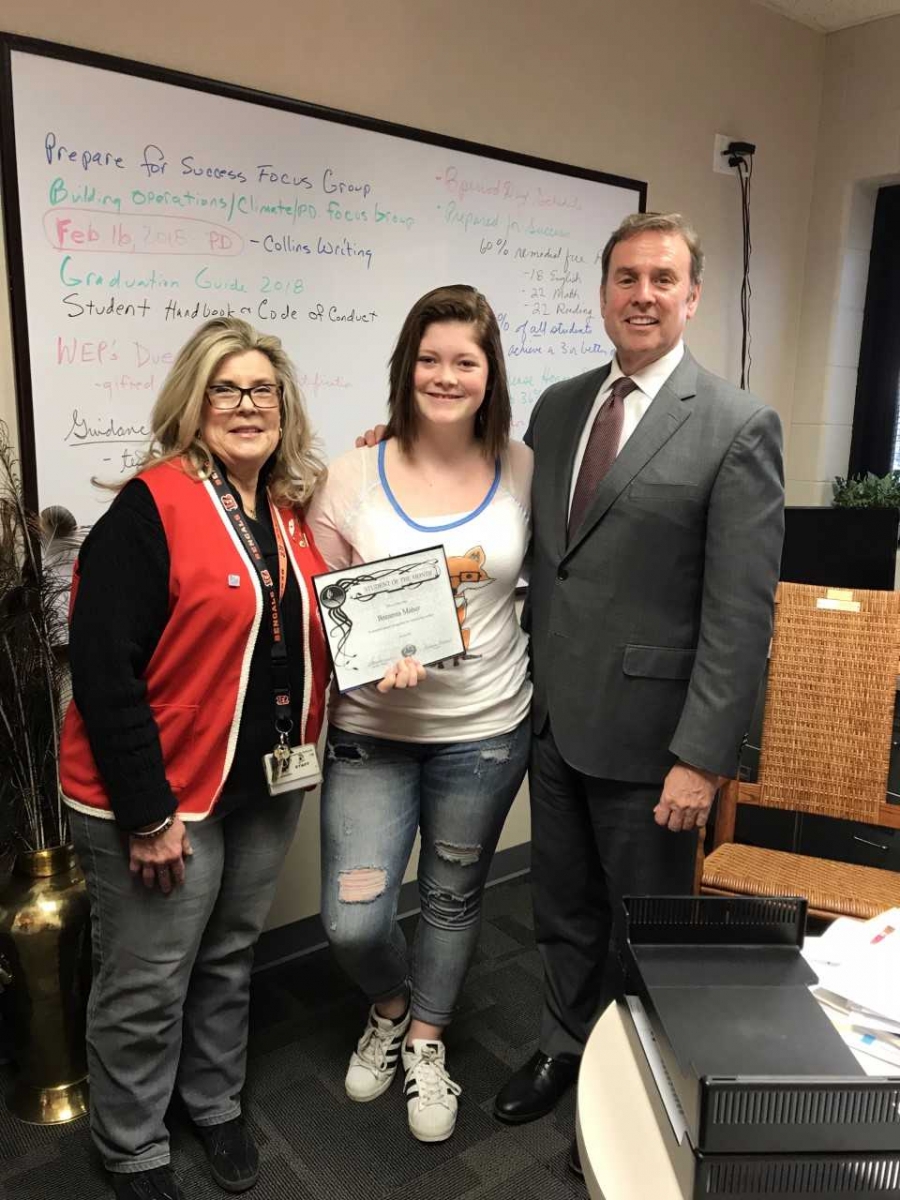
(825, 749)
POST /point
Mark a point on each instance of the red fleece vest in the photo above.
(197, 677)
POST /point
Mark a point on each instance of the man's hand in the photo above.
(160, 860)
(686, 798)
(371, 437)
(406, 672)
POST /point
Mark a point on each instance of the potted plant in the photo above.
(867, 491)
(44, 912)
(880, 494)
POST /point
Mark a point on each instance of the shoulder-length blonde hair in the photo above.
(176, 416)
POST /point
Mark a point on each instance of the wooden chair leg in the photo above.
(699, 860)
(726, 813)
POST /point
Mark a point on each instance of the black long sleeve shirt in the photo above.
(120, 611)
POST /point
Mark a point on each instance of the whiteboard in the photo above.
(137, 207)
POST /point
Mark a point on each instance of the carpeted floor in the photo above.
(316, 1143)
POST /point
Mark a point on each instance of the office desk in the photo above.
(622, 1150)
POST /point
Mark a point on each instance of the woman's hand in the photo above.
(371, 437)
(160, 860)
(405, 672)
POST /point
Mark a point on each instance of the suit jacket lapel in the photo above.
(662, 418)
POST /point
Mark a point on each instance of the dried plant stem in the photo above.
(35, 564)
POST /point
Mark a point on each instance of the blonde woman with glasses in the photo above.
(198, 672)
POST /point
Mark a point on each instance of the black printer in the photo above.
(773, 1102)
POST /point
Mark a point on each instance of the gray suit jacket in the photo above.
(650, 628)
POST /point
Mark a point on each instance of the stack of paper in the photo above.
(858, 964)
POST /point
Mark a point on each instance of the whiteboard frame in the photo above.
(9, 185)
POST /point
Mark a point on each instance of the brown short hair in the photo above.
(456, 302)
(659, 223)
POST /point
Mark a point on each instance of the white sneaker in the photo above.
(373, 1064)
(430, 1092)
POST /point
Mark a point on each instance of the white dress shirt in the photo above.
(649, 381)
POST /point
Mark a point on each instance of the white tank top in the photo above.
(356, 518)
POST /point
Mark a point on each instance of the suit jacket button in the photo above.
(562, 575)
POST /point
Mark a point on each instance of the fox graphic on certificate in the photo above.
(377, 612)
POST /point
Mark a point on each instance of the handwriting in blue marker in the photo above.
(153, 161)
(56, 152)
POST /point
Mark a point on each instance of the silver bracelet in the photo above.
(165, 824)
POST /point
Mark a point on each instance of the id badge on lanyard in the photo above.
(298, 767)
(288, 767)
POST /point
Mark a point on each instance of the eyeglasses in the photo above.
(224, 396)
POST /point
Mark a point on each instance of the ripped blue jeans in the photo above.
(376, 794)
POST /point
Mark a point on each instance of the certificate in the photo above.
(377, 612)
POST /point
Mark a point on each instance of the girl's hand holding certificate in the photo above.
(406, 672)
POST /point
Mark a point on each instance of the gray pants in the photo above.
(593, 841)
(171, 988)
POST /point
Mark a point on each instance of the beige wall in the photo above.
(858, 151)
(634, 89)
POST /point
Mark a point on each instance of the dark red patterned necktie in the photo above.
(600, 452)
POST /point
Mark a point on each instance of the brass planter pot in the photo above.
(45, 938)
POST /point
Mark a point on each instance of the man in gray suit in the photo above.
(657, 509)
